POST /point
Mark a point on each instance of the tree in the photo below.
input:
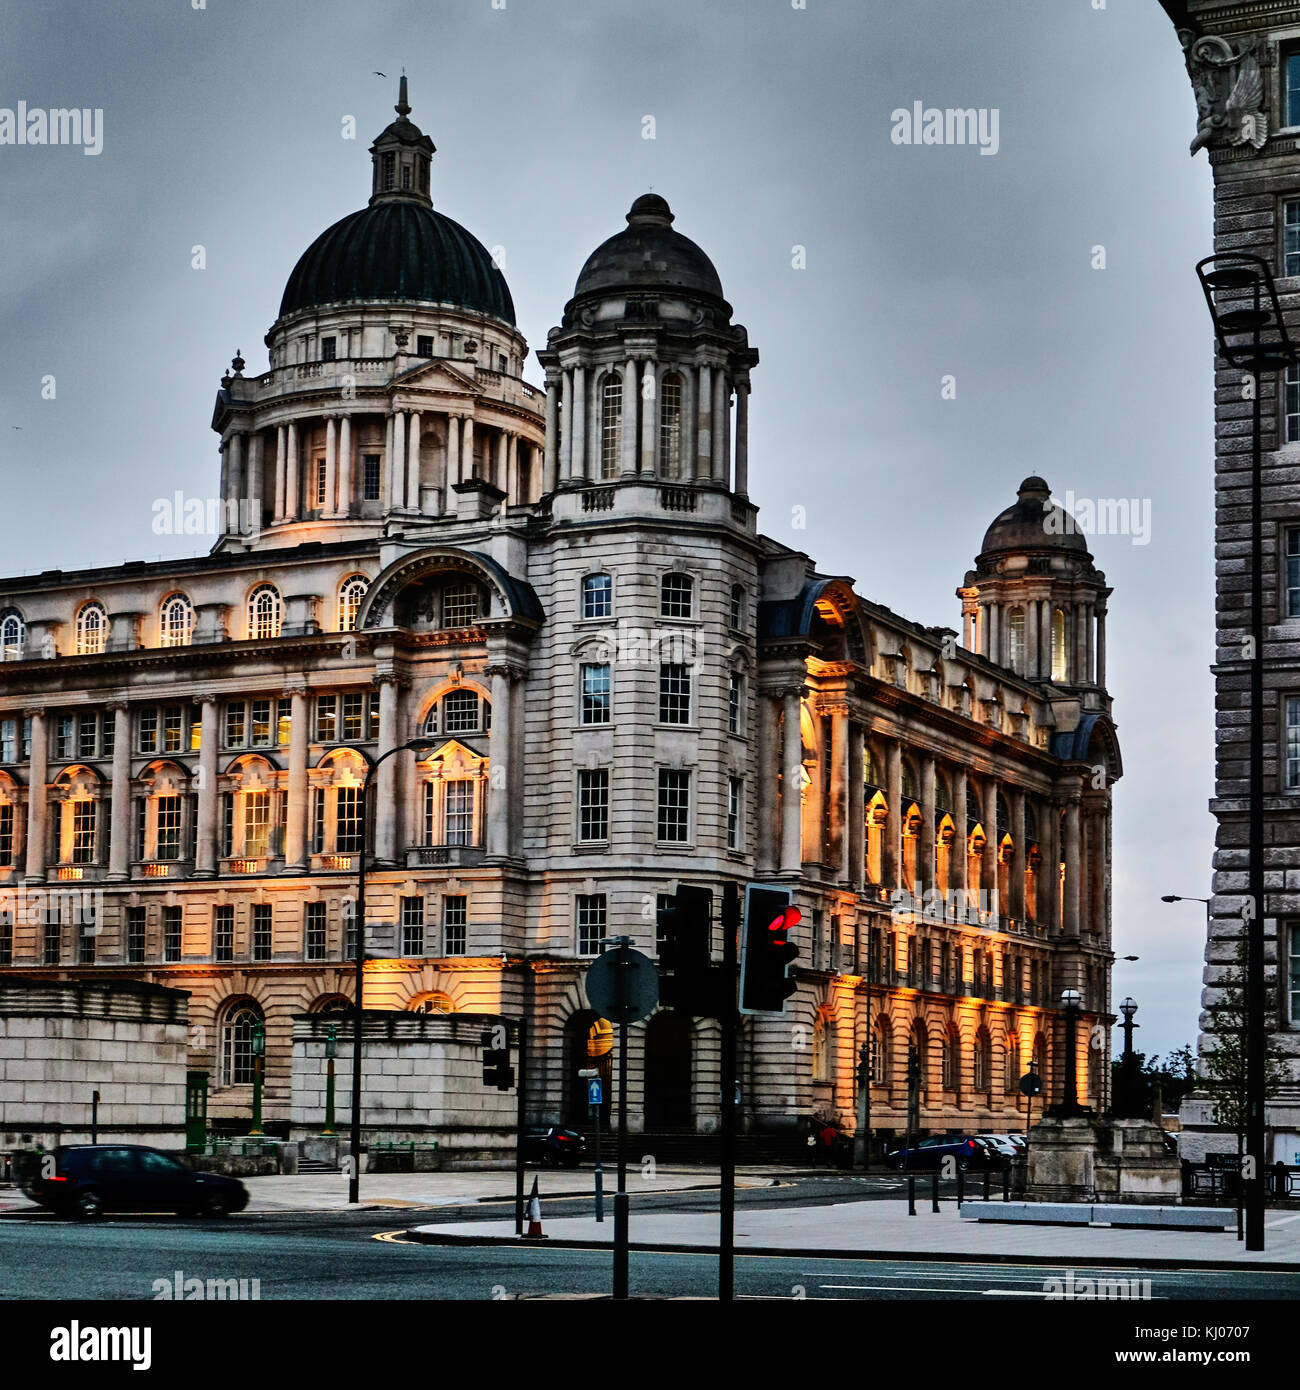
(1174, 1076)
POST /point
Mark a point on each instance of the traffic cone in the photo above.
(535, 1231)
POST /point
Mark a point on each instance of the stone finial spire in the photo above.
(401, 155)
(403, 107)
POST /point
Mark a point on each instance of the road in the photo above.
(360, 1255)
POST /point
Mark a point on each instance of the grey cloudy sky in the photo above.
(222, 128)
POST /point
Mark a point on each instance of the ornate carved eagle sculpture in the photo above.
(1229, 90)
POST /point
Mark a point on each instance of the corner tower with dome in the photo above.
(620, 685)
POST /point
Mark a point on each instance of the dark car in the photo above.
(554, 1147)
(930, 1153)
(86, 1180)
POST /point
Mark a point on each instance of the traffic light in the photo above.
(497, 1070)
(766, 950)
(686, 973)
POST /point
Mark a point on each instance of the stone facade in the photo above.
(62, 1040)
(1254, 154)
(623, 685)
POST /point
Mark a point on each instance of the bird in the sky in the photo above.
(381, 74)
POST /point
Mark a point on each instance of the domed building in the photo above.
(525, 650)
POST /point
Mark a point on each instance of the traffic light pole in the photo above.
(620, 1196)
(729, 1021)
(521, 1116)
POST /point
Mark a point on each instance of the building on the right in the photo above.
(1243, 60)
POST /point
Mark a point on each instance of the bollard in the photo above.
(987, 1175)
(911, 1194)
(1006, 1183)
(934, 1192)
(961, 1188)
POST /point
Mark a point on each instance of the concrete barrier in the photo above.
(1102, 1214)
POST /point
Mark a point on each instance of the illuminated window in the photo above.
(92, 629)
(676, 596)
(257, 824)
(670, 426)
(264, 613)
(611, 424)
(347, 819)
(821, 1050)
(1058, 644)
(351, 592)
(13, 633)
(458, 813)
(83, 831)
(176, 621)
(169, 827)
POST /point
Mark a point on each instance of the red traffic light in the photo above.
(789, 917)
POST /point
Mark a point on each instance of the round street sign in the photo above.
(623, 985)
(1031, 1084)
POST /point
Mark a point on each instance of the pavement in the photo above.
(884, 1228)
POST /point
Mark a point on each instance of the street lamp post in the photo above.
(418, 746)
(1127, 1098)
(1069, 1107)
(331, 1050)
(1242, 300)
(259, 1066)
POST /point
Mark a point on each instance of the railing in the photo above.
(677, 499)
(1213, 1182)
(433, 856)
(598, 500)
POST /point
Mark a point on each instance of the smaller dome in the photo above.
(1033, 522)
(648, 253)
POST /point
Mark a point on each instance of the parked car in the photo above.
(87, 1180)
(931, 1151)
(1001, 1144)
(554, 1146)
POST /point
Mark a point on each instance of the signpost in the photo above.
(595, 1100)
(1031, 1085)
(623, 987)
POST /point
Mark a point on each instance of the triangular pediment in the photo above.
(438, 375)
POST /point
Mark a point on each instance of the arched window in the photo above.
(351, 592)
(264, 612)
(597, 596)
(92, 629)
(13, 633)
(611, 424)
(1058, 644)
(676, 596)
(175, 621)
(435, 1003)
(237, 1044)
(1018, 640)
(736, 617)
(670, 427)
(460, 711)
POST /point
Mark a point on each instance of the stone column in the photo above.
(857, 837)
(767, 761)
(689, 424)
(37, 806)
(1088, 643)
(254, 481)
(119, 854)
(281, 456)
(514, 492)
(1019, 854)
(1045, 638)
(1101, 647)
(397, 474)
(331, 467)
(649, 420)
(1072, 861)
(570, 425)
(837, 850)
(925, 850)
(742, 439)
(345, 466)
(1031, 638)
(983, 629)
(791, 782)
(467, 450)
(579, 457)
(722, 428)
(205, 831)
(295, 830)
(453, 464)
(550, 467)
(703, 431)
(892, 857)
(385, 785)
(989, 863)
(413, 464)
(995, 634)
(631, 391)
(292, 473)
(957, 865)
(501, 780)
(235, 483)
(499, 478)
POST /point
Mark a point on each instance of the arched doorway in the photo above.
(588, 1042)
(668, 1055)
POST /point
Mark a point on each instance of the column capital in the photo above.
(510, 671)
(121, 702)
(33, 711)
(205, 697)
(294, 688)
(800, 692)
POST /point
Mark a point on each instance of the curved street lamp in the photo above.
(421, 747)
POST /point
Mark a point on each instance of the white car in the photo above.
(1002, 1145)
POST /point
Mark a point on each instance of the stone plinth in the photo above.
(1084, 1159)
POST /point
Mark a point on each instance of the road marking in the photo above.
(393, 1237)
(1282, 1220)
(885, 1288)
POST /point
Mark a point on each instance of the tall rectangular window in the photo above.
(261, 931)
(147, 731)
(1293, 975)
(83, 831)
(173, 729)
(6, 833)
(171, 933)
(412, 926)
(733, 703)
(352, 715)
(329, 349)
(347, 820)
(423, 345)
(1291, 237)
(1291, 83)
(370, 477)
(589, 914)
(1292, 742)
(108, 735)
(674, 806)
(234, 726)
(674, 693)
(257, 824)
(597, 596)
(223, 932)
(326, 718)
(53, 930)
(593, 804)
(135, 935)
(87, 735)
(670, 427)
(458, 814)
(8, 740)
(318, 820)
(1291, 405)
(86, 933)
(314, 933)
(735, 802)
(455, 921)
(595, 694)
(284, 722)
(169, 827)
(261, 724)
(1293, 571)
(6, 938)
(611, 425)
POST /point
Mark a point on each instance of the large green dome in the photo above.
(398, 249)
